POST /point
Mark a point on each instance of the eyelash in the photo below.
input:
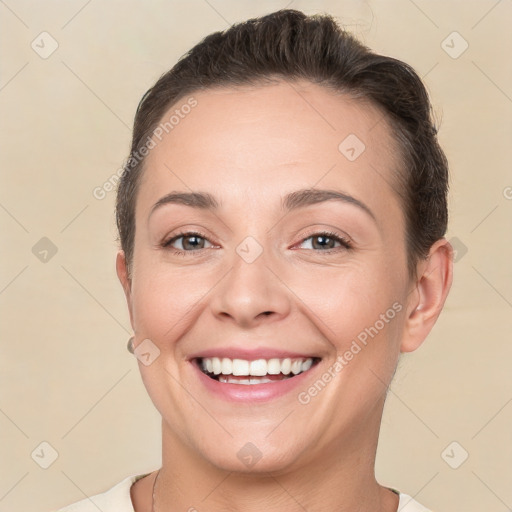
(183, 234)
(346, 244)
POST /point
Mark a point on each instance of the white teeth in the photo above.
(240, 367)
(227, 366)
(296, 366)
(228, 380)
(306, 365)
(260, 380)
(256, 368)
(217, 366)
(274, 367)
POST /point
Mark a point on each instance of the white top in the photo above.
(118, 499)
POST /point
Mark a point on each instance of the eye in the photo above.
(326, 241)
(193, 242)
(187, 242)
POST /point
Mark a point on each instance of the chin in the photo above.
(250, 460)
(250, 452)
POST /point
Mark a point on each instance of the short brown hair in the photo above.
(290, 45)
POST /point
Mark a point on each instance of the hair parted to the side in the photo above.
(289, 45)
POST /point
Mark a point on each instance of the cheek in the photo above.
(346, 299)
(165, 300)
(359, 312)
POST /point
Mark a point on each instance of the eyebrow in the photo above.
(292, 201)
(201, 200)
(308, 197)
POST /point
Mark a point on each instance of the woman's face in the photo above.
(258, 278)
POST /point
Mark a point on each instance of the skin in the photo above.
(249, 147)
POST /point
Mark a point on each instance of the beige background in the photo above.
(65, 375)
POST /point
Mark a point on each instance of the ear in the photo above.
(126, 283)
(429, 294)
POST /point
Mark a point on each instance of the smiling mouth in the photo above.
(258, 371)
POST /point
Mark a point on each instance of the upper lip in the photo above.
(250, 354)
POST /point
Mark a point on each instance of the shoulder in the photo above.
(116, 499)
(408, 504)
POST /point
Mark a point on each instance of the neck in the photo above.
(338, 478)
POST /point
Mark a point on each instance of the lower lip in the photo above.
(252, 392)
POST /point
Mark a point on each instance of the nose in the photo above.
(251, 294)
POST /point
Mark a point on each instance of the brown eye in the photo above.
(193, 242)
(187, 242)
(323, 242)
(326, 242)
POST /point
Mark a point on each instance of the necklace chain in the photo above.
(154, 490)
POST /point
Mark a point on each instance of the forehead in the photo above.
(251, 143)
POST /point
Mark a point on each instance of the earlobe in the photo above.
(429, 295)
